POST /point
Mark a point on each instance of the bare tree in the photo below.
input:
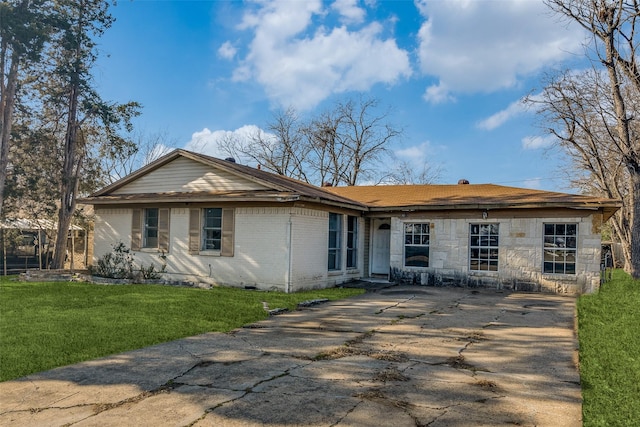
(139, 150)
(404, 173)
(576, 110)
(365, 136)
(612, 26)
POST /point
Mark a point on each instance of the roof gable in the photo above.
(184, 175)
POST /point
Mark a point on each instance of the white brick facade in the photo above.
(273, 232)
(276, 248)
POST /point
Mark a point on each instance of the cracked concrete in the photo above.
(402, 356)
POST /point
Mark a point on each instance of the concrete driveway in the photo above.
(400, 356)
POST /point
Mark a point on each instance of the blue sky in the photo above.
(452, 72)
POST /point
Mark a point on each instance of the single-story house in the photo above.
(208, 220)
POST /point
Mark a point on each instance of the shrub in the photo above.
(119, 264)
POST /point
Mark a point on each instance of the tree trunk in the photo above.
(6, 118)
(634, 202)
(69, 182)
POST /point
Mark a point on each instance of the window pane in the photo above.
(332, 260)
(416, 256)
(150, 236)
(212, 229)
(548, 229)
(549, 255)
(416, 253)
(483, 247)
(335, 241)
(151, 241)
(563, 237)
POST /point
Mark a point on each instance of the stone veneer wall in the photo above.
(520, 260)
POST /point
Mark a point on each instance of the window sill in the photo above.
(334, 273)
(483, 273)
(209, 253)
(560, 276)
(149, 250)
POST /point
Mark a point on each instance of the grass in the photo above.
(609, 333)
(46, 325)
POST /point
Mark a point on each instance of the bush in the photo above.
(119, 264)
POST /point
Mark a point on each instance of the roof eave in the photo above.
(207, 198)
(608, 207)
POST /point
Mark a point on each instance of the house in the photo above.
(214, 221)
(28, 244)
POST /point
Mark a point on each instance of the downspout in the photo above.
(290, 255)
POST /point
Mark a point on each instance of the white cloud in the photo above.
(437, 94)
(415, 154)
(536, 142)
(227, 50)
(483, 46)
(349, 11)
(209, 142)
(533, 183)
(299, 65)
(501, 117)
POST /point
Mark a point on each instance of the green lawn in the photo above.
(609, 333)
(45, 325)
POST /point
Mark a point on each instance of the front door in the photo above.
(381, 247)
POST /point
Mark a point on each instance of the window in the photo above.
(150, 231)
(352, 242)
(483, 247)
(416, 244)
(212, 229)
(335, 232)
(560, 247)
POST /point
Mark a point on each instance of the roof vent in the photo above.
(230, 159)
(327, 184)
(463, 181)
